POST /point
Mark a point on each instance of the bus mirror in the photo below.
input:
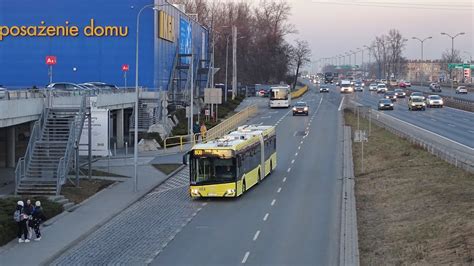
(185, 158)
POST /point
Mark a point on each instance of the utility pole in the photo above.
(226, 65)
(234, 63)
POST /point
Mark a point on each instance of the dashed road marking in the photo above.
(292, 161)
(284, 179)
(289, 169)
(246, 256)
(279, 190)
(256, 235)
(266, 216)
(296, 154)
(299, 147)
(273, 202)
(451, 125)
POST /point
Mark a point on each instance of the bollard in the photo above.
(115, 148)
(126, 148)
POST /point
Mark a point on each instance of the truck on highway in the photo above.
(280, 96)
(229, 166)
(328, 77)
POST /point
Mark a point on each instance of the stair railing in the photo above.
(75, 131)
(36, 134)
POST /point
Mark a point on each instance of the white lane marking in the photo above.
(279, 190)
(284, 179)
(294, 134)
(265, 217)
(472, 131)
(301, 142)
(256, 235)
(296, 154)
(289, 169)
(273, 202)
(204, 204)
(340, 105)
(451, 125)
(299, 147)
(292, 161)
(246, 256)
(266, 117)
(304, 136)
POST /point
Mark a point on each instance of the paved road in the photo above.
(451, 123)
(290, 218)
(446, 92)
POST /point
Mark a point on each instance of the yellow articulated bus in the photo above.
(229, 166)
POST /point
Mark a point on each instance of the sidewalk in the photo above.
(70, 227)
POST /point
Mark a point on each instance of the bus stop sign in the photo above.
(50, 60)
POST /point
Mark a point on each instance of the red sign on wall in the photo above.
(50, 60)
(125, 67)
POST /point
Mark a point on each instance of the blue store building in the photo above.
(93, 39)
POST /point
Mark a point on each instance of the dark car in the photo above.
(385, 104)
(400, 93)
(390, 95)
(301, 108)
(323, 89)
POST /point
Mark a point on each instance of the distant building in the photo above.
(427, 70)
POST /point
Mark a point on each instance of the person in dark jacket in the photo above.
(20, 219)
(38, 218)
(28, 209)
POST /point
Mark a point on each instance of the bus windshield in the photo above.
(279, 94)
(212, 170)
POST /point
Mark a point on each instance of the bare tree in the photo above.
(387, 52)
(449, 57)
(301, 55)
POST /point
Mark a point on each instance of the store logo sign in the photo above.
(166, 26)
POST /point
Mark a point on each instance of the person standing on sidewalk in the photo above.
(28, 210)
(20, 218)
(38, 218)
(203, 131)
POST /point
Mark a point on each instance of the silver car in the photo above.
(461, 90)
(434, 101)
(373, 87)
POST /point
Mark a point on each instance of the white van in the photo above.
(346, 86)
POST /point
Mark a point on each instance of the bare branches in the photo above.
(387, 52)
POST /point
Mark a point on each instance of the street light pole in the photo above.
(226, 64)
(422, 41)
(452, 48)
(135, 142)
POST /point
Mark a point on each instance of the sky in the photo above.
(333, 27)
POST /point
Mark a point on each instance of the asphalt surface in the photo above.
(454, 124)
(292, 218)
(445, 92)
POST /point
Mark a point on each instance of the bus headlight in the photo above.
(194, 192)
(230, 192)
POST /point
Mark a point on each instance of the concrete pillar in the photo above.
(11, 145)
(120, 128)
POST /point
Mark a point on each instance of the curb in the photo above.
(140, 195)
(349, 241)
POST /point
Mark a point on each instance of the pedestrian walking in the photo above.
(203, 131)
(28, 210)
(20, 218)
(38, 218)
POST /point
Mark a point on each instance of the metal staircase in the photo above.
(53, 142)
(178, 88)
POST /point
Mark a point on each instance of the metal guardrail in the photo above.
(437, 150)
(231, 123)
(42, 93)
(182, 140)
(216, 132)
